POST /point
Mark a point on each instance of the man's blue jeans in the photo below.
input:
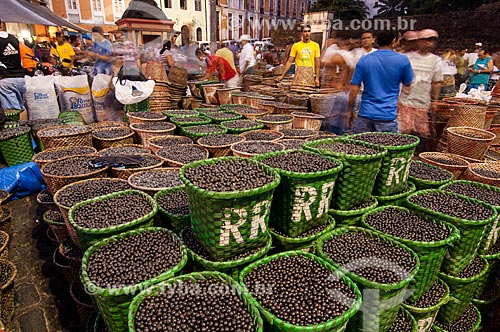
(364, 125)
(12, 90)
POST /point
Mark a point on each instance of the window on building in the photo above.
(278, 8)
(261, 6)
(73, 4)
(230, 25)
(240, 25)
(184, 4)
(294, 8)
(197, 5)
(119, 7)
(167, 3)
(287, 8)
(97, 6)
(199, 35)
(271, 6)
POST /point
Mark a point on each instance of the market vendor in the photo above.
(225, 72)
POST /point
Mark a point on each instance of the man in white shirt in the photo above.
(247, 59)
(367, 41)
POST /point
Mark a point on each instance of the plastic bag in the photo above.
(22, 180)
(132, 92)
(76, 95)
(100, 90)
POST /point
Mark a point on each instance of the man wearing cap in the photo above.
(247, 59)
(409, 41)
(102, 52)
(415, 101)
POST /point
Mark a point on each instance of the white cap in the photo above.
(244, 37)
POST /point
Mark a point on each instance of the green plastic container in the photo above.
(393, 175)
(422, 184)
(214, 213)
(352, 217)
(397, 199)
(174, 222)
(89, 236)
(356, 180)
(301, 200)
(113, 303)
(430, 254)
(275, 324)
(461, 292)
(172, 283)
(381, 302)
(471, 232)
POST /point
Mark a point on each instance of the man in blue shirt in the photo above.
(381, 73)
(102, 52)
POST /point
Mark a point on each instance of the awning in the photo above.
(21, 11)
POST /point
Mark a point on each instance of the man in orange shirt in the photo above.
(27, 56)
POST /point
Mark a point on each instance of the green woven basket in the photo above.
(71, 118)
(211, 116)
(379, 310)
(17, 149)
(142, 106)
(232, 267)
(213, 213)
(489, 278)
(307, 243)
(230, 130)
(189, 131)
(301, 201)
(491, 234)
(173, 283)
(180, 122)
(409, 316)
(174, 222)
(12, 114)
(357, 178)
(275, 324)
(422, 184)
(430, 254)
(179, 113)
(471, 232)
(475, 328)
(397, 199)
(485, 305)
(352, 217)
(425, 316)
(207, 110)
(461, 292)
(227, 107)
(113, 303)
(393, 174)
(89, 236)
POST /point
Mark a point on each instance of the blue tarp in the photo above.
(22, 180)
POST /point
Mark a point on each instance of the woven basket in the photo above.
(430, 254)
(232, 267)
(12, 114)
(250, 80)
(4, 242)
(89, 236)
(322, 103)
(278, 134)
(355, 182)
(428, 184)
(145, 135)
(277, 125)
(63, 264)
(304, 120)
(461, 290)
(17, 149)
(397, 199)
(269, 106)
(59, 228)
(475, 328)
(463, 145)
(488, 280)
(175, 163)
(150, 190)
(353, 217)
(425, 316)
(474, 170)
(209, 210)
(393, 176)
(292, 210)
(256, 100)
(173, 283)
(235, 148)
(104, 143)
(82, 138)
(113, 150)
(180, 113)
(176, 140)
(337, 324)
(210, 92)
(182, 122)
(136, 118)
(191, 131)
(107, 124)
(306, 243)
(231, 130)
(220, 150)
(4, 196)
(468, 116)
(7, 290)
(252, 116)
(84, 309)
(471, 231)
(174, 222)
(65, 209)
(491, 234)
(56, 182)
(373, 317)
(224, 94)
(195, 89)
(40, 158)
(5, 219)
(217, 120)
(443, 160)
(124, 173)
(485, 306)
(113, 303)
(298, 99)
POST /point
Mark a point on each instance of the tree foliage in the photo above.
(343, 9)
(439, 6)
(389, 8)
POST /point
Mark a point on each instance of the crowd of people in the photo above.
(388, 83)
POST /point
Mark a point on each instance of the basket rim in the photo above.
(266, 131)
(42, 131)
(48, 150)
(225, 195)
(21, 133)
(450, 278)
(6, 236)
(103, 124)
(196, 146)
(312, 116)
(200, 142)
(476, 326)
(276, 122)
(259, 125)
(177, 120)
(234, 149)
(187, 130)
(473, 166)
(382, 151)
(353, 229)
(152, 139)
(235, 117)
(451, 176)
(472, 183)
(297, 175)
(107, 230)
(84, 277)
(99, 153)
(130, 134)
(444, 300)
(13, 269)
(141, 168)
(160, 169)
(72, 293)
(132, 115)
(391, 147)
(347, 213)
(8, 215)
(410, 188)
(455, 131)
(243, 295)
(331, 224)
(50, 221)
(95, 172)
(452, 237)
(168, 114)
(312, 133)
(450, 156)
(166, 191)
(337, 321)
(132, 126)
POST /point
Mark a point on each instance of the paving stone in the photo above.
(26, 295)
(33, 321)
